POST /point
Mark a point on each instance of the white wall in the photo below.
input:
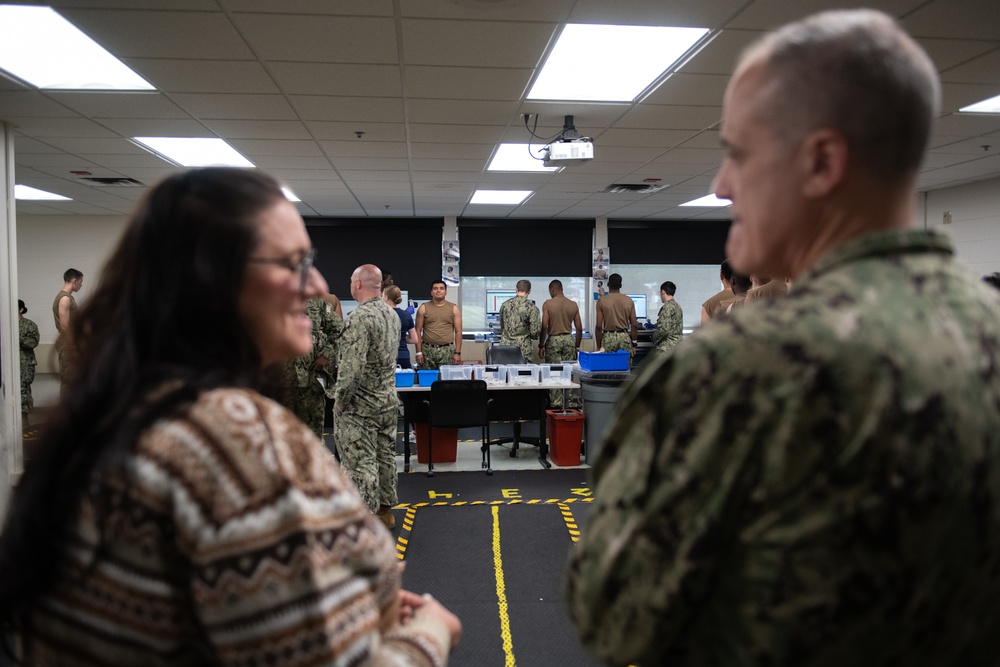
(47, 245)
(975, 227)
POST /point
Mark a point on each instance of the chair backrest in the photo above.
(504, 354)
(458, 403)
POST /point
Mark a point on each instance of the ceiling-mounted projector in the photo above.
(558, 153)
(568, 147)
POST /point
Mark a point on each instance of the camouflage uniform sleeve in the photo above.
(28, 331)
(534, 320)
(661, 333)
(671, 481)
(353, 354)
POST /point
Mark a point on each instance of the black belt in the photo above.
(617, 331)
(437, 344)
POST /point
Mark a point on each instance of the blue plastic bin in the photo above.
(604, 361)
(405, 377)
(427, 378)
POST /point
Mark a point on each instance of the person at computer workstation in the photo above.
(520, 322)
(439, 330)
(616, 326)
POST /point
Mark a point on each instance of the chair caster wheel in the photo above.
(489, 472)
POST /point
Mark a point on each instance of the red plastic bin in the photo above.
(565, 436)
(445, 443)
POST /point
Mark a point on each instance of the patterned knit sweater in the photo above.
(232, 539)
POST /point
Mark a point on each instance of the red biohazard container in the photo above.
(445, 443)
(565, 436)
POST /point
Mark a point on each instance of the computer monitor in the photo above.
(495, 299)
(640, 305)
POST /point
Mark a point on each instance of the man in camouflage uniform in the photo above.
(520, 322)
(812, 481)
(559, 316)
(28, 341)
(670, 321)
(364, 423)
(63, 312)
(304, 394)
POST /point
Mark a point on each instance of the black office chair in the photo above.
(458, 404)
(509, 354)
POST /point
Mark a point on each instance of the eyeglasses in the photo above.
(301, 266)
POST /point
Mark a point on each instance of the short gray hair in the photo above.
(856, 72)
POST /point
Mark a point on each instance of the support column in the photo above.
(11, 460)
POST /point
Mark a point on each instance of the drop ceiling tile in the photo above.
(119, 104)
(345, 109)
(44, 128)
(341, 7)
(672, 117)
(475, 43)
(720, 54)
(318, 38)
(470, 83)
(235, 106)
(367, 149)
(461, 112)
(353, 80)
(205, 76)
(259, 129)
(83, 146)
(365, 163)
(456, 164)
(132, 127)
(954, 96)
(31, 103)
(769, 14)
(638, 138)
(341, 131)
(268, 162)
(162, 34)
(956, 19)
(690, 89)
(276, 147)
(680, 13)
(456, 134)
(948, 54)
(481, 152)
(984, 69)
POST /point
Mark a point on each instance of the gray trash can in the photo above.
(599, 391)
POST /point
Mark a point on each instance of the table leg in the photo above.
(406, 435)
(543, 443)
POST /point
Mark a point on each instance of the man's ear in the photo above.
(823, 156)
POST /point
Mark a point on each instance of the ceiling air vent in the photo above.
(117, 181)
(636, 188)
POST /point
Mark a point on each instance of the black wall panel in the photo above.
(410, 248)
(526, 247)
(667, 241)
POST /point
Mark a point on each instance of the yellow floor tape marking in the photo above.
(513, 501)
(404, 534)
(508, 646)
(567, 514)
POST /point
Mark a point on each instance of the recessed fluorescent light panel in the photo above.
(195, 152)
(517, 157)
(26, 192)
(508, 197)
(991, 105)
(710, 201)
(39, 46)
(289, 195)
(610, 63)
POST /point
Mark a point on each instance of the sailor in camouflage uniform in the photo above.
(304, 394)
(813, 480)
(28, 336)
(520, 322)
(670, 321)
(364, 423)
